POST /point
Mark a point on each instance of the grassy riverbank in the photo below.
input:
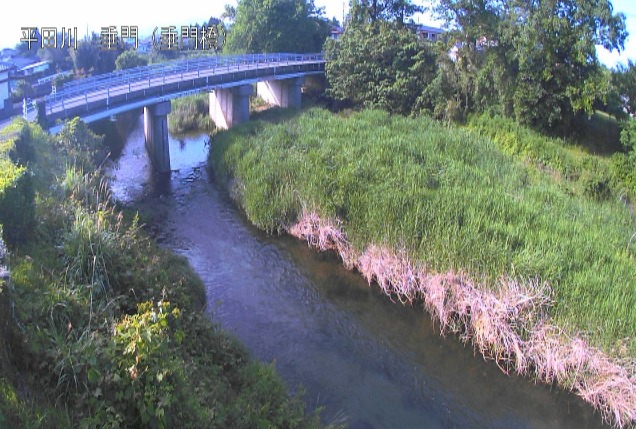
(100, 327)
(451, 201)
(191, 113)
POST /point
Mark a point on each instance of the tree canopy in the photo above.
(624, 78)
(277, 26)
(531, 60)
(90, 58)
(130, 59)
(379, 64)
(389, 10)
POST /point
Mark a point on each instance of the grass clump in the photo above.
(452, 200)
(191, 113)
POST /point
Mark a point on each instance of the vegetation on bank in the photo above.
(544, 74)
(453, 200)
(191, 113)
(531, 265)
(100, 327)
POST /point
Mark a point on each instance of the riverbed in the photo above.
(364, 359)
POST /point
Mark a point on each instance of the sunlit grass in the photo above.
(451, 199)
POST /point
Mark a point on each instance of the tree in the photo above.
(624, 79)
(89, 57)
(130, 59)
(379, 65)
(387, 10)
(277, 26)
(85, 57)
(541, 57)
(23, 89)
(60, 59)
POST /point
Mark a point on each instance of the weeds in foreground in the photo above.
(107, 328)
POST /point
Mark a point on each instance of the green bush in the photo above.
(628, 134)
(17, 210)
(624, 169)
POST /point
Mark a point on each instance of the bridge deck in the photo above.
(168, 80)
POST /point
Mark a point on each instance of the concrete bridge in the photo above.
(228, 79)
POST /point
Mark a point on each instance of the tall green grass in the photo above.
(451, 198)
(189, 114)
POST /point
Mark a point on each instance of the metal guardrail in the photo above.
(29, 110)
(99, 87)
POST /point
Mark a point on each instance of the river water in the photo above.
(365, 360)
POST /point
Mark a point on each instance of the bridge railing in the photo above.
(98, 84)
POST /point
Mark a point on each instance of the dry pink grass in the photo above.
(509, 326)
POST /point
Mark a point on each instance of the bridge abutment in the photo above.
(156, 133)
(230, 106)
(282, 93)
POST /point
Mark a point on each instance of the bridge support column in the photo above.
(156, 133)
(283, 93)
(230, 106)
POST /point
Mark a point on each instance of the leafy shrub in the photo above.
(147, 372)
(17, 210)
(628, 134)
(624, 169)
(80, 145)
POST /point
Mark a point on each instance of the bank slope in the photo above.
(99, 326)
(497, 250)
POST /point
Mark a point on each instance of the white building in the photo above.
(431, 34)
(336, 32)
(5, 92)
(33, 69)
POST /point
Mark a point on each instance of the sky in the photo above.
(146, 16)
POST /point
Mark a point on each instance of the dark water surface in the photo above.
(375, 363)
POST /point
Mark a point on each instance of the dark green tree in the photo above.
(60, 59)
(277, 26)
(130, 59)
(23, 89)
(387, 10)
(85, 57)
(379, 65)
(90, 58)
(533, 59)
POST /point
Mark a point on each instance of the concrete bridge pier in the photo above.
(230, 106)
(282, 93)
(156, 133)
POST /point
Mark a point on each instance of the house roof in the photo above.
(38, 64)
(430, 29)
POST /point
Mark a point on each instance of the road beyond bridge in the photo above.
(229, 79)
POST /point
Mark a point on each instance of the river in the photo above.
(364, 359)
